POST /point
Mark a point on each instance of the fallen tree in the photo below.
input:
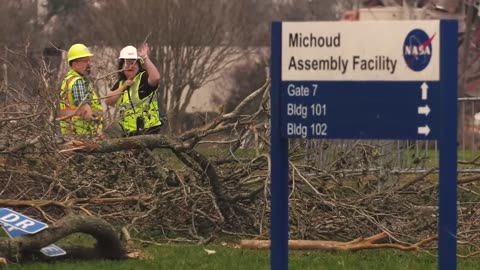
(215, 179)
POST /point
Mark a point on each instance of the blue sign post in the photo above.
(346, 80)
(279, 153)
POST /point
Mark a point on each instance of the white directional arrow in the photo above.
(424, 110)
(424, 88)
(424, 130)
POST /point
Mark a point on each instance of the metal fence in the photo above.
(398, 156)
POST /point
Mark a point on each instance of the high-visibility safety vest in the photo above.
(71, 123)
(135, 110)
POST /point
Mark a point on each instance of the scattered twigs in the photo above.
(215, 178)
(416, 180)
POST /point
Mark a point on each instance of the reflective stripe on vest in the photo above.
(66, 92)
(133, 107)
(135, 98)
(67, 112)
(71, 123)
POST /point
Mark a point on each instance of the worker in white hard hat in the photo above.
(80, 110)
(135, 92)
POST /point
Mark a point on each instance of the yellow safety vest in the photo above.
(132, 107)
(71, 123)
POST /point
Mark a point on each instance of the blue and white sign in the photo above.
(347, 80)
(50, 250)
(374, 110)
(364, 80)
(12, 232)
(53, 251)
(20, 221)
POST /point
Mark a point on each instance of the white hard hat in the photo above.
(128, 52)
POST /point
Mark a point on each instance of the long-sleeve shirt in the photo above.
(80, 92)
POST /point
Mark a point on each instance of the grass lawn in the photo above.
(185, 257)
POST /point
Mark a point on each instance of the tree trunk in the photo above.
(357, 244)
(27, 247)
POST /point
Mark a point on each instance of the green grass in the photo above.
(186, 257)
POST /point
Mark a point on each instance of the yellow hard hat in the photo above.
(78, 51)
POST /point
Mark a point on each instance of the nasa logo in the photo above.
(417, 49)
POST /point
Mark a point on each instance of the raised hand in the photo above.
(143, 51)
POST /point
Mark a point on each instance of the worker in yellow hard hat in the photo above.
(80, 109)
(135, 92)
